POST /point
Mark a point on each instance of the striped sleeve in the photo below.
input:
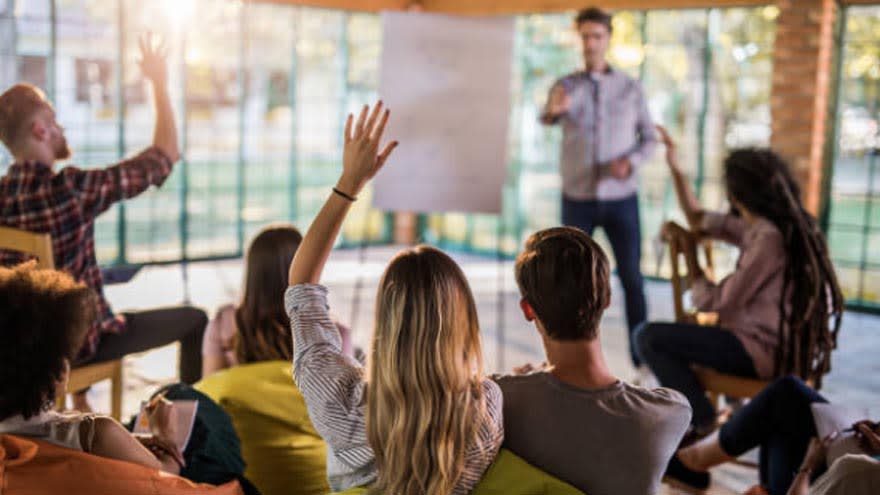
(332, 385)
(482, 452)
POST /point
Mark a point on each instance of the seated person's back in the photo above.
(575, 420)
(605, 441)
(284, 453)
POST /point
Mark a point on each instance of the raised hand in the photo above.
(671, 150)
(153, 60)
(687, 199)
(361, 159)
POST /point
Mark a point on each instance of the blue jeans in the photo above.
(620, 220)
(670, 349)
(780, 421)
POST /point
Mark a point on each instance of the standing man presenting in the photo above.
(607, 134)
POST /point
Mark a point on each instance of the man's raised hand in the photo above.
(559, 101)
(153, 60)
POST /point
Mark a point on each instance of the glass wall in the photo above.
(707, 76)
(260, 91)
(854, 203)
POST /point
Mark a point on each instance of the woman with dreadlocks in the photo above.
(775, 311)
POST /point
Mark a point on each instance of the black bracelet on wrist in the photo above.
(345, 195)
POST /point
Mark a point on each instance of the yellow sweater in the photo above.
(284, 453)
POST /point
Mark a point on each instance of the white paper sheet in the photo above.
(832, 418)
(447, 82)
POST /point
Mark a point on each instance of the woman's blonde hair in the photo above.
(425, 401)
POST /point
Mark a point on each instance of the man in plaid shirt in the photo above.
(35, 196)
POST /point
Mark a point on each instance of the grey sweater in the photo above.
(614, 441)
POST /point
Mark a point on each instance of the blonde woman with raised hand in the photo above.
(424, 420)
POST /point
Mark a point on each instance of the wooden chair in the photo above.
(715, 383)
(40, 246)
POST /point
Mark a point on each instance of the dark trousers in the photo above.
(145, 330)
(780, 421)
(670, 349)
(620, 220)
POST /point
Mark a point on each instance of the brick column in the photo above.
(801, 89)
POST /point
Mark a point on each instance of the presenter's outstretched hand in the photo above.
(361, 159)
(560, 102)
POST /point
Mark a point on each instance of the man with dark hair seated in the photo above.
(574, 419)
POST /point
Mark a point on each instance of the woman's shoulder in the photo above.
(493, 398)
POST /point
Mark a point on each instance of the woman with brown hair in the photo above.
(258, 328)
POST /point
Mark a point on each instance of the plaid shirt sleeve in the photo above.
(98, 189)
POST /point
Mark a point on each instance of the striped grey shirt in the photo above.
(608, 118)
(334, 389)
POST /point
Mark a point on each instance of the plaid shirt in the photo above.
(65, 204)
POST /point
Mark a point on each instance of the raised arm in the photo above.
(154, 68)
(687, 200)
(360, 162)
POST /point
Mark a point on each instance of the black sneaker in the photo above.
(682, 475)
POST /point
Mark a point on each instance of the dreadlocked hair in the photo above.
(811, 303)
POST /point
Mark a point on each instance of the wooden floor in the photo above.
(507, 340)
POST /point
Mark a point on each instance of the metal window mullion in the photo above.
(832, 146)
(121, 247)
(708, 45)
(184, 161)
(242, 101)
(342, 57)
(51, 70)
(13, 21)
(867, 220)
(293, 184)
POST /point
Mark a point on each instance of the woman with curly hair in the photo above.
(44, 317)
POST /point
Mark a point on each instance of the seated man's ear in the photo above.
(39, 131)
(528, 311)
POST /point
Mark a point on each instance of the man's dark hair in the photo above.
(594, 14)
(44, 316)
(564, 276)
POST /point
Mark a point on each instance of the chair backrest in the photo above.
(283, 452)
(36, 467)
(679, 276)
(30, 243)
